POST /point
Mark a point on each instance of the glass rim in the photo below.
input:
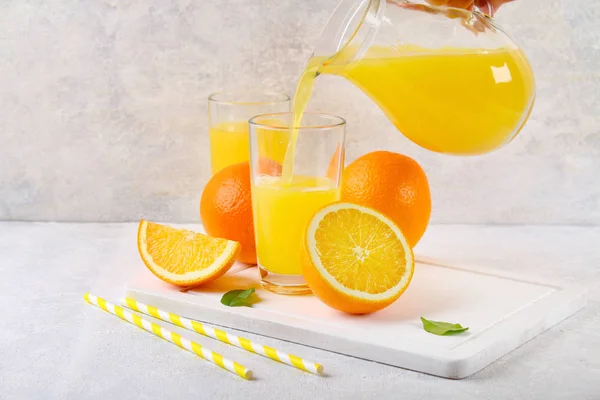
(229, 96)
(339, 121)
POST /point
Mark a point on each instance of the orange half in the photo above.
(183, 257)
(356, 259)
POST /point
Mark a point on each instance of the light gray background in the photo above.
(103, 108)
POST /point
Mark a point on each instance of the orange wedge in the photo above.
(183, 257)
(356, 259)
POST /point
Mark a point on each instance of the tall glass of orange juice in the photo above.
(283, 205)
(228, 114)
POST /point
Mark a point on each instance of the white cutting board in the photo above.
(502, 312)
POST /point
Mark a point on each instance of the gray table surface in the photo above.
(54, 346)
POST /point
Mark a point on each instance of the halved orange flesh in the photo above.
(356, 259)
(183, 257)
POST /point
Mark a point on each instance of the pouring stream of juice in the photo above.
(301, 98)
(448, 100)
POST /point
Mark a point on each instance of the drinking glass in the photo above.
(283, 205)
(228, 114)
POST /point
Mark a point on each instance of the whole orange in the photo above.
(226, 209)
(393, 184)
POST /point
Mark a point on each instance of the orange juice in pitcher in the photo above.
(449, 79)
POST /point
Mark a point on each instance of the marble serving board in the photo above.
(502, 312)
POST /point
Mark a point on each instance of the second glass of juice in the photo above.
(286, 195)
(228, 114)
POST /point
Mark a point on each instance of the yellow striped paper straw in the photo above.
(172, 337)
(225, 337)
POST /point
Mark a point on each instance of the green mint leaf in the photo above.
(442, 328)
(239, 298)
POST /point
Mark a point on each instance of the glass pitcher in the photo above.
(449, 79)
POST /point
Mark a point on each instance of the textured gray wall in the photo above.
(103, 108)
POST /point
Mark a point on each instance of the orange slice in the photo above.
(183, 257)
(356, 259)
